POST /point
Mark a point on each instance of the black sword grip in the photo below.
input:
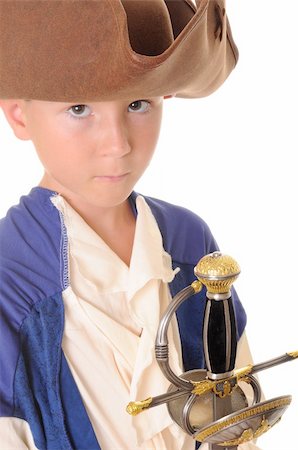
(220, 336)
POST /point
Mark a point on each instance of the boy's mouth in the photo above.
(112, 178)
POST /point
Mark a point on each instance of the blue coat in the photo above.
(36, 384)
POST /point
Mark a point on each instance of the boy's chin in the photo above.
(108, 199)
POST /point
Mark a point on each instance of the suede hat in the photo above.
(97, 50)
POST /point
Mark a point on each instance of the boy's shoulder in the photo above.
(169, 210)
(186, 236)
(30, 253)
(29, 222)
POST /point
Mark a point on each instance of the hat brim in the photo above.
(70, 51)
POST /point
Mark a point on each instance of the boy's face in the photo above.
(92, 153)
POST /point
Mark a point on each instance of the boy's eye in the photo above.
(139, 106)
(79, 111)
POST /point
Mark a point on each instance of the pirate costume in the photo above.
(78, 325)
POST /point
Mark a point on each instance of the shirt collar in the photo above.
(100, 264)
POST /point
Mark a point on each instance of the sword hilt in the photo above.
(218, 272)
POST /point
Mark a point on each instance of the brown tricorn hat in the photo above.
(96, 50)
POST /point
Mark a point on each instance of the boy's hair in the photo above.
(96, 50)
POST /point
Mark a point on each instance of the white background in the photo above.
(231, 159)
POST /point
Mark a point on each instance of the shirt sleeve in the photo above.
(243, 358)
(15, 434)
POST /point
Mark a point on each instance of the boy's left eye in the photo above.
(139, 106)
(79, 111)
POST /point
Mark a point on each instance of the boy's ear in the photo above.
(14, 113)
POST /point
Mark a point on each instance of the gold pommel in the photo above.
(134, 408)
(217, 272)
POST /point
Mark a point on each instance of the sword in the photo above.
(233, 422)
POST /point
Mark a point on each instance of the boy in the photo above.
(87, 265)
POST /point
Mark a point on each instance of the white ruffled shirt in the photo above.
(112, 313)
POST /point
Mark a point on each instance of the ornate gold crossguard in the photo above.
(234, 421)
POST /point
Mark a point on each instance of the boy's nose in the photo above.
(114, 140)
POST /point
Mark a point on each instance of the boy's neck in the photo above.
(115, 224)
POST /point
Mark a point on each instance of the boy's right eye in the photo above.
(79, 111)
(139, 106)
